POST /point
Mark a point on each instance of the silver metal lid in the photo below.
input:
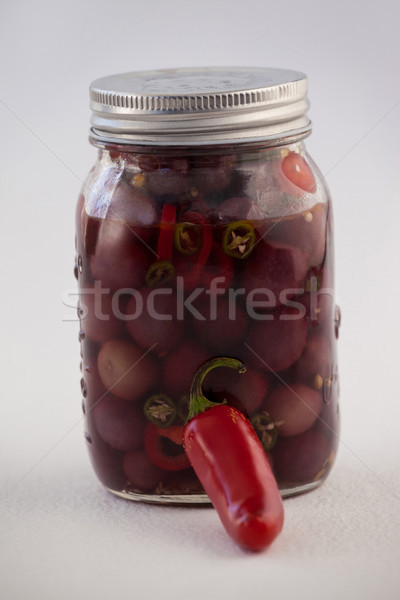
(199, 106)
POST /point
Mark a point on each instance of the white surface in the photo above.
(62, 535)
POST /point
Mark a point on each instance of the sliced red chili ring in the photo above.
(160, 410)
(164, 447)
(166, 237)
(159, 273)
(239, 239)
(266, 429)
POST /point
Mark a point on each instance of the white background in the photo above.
(62, 535)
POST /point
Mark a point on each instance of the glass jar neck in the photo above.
(295, 143)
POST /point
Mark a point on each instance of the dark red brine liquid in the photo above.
(187, 255)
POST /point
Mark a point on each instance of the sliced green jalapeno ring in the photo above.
(160, 410)
(266, 429)
(239, 239)
(159, 273)
(187, 238)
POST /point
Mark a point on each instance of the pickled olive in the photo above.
(231, 464)
(301, 458)
(239, 239)
(176, 380)
(315, 364)
(98, 320)
(244, 393)
(141, 472)
(119, 423)
(130, 205)
(160, 410)
(106, 461)
(119, 259)
(166, 175)
(213, 173)
(218, 265)
(125, 370)
(160, 273)
(295, 408)
(278, 268)
(220, 331)
(152, 321)
(275, 344)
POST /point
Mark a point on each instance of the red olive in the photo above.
(300, 459)
(277, 343)
(106, 461)
(166, 175)
(141, 472)
(119, 423)
(213, 173)
(179, 367)
(277, 268)
(121, 258)
(294, 408)
(126, 370)
(260, 187)
(219, 265)
(98, 320)
(222, 331)
(92, 386)
(131, 206)
(245, 392)
(305, 230)
(151, 325)
(315, 364)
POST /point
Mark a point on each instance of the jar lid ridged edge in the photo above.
(185, 103)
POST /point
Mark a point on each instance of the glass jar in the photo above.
(205, 229)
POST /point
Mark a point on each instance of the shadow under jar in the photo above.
(204, 229)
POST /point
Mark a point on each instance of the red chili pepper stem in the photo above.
(198, 402)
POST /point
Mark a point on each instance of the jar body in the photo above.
(184, 255)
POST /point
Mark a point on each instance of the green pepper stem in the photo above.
(198, 403)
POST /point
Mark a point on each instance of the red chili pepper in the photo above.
(166, 237)
(164, 447)
(230, 462)
(162, 271)
(190, 270)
